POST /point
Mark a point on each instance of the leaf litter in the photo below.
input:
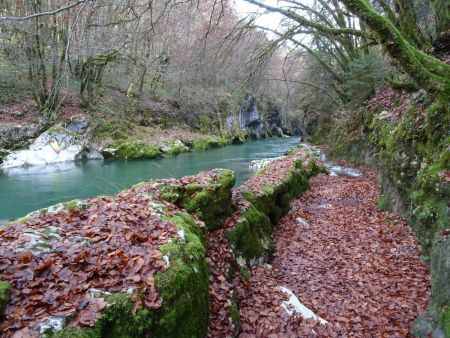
(357, 267)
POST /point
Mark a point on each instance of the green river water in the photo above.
(23, 190)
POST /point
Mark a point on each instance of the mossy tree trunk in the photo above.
(427, 72)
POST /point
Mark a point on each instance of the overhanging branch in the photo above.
(48, 13)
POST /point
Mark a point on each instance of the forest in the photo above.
(224, 168)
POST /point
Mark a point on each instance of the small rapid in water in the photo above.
(23, 190)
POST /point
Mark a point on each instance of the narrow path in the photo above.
(355, 266)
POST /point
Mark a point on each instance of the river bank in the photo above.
(40, 186)
(169, 217)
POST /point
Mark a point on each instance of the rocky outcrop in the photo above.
(55, 145)
(15, 136)
(259, 124)
(250, 119)
(273, 118)
(78, 124)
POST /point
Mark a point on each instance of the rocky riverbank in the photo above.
(120, 266)
(27, 138)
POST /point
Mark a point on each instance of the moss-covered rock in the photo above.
(131, 150)
(275, 200)
(211, 202)
(5, 296)
(251, 238)
(440, 279)
(204, 143)
(117, 320)
(184, 287)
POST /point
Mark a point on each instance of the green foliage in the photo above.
(383, 202)
(5, 296)
(364, 75)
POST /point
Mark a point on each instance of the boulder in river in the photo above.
(53, 146)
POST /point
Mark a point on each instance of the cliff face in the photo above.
(260, 124)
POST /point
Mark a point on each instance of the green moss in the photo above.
(212, 204)
(192, 188)
(137, 185)
(251, 238)
(175, 150)
(440, 281)
(203, 144)
(5, 296)
(117, 320)
(383, 202)
(225, 141)
(134, 150)
(171, 193)
(73, 205)
(184, 287)
(445, 321)
(234, 315)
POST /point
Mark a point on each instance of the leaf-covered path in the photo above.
(355, 266)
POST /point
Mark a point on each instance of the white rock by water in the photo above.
(55, 145)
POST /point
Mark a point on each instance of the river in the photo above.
(23, 190)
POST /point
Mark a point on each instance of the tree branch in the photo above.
(35, 15)
(301, 20)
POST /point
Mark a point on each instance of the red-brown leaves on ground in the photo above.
(353, 265)
(112, 246)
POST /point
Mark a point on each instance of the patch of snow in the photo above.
(51, 324)
(166, 260)
(268, 266)
(302, 222)
(337, 170)
(293, 305)
(182, 236)
(97, 293)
